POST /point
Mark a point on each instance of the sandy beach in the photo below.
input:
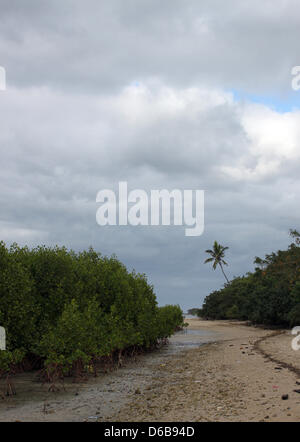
(241, 373)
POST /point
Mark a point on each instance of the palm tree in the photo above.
(217, 256)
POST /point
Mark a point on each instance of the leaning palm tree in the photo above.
(217, 257)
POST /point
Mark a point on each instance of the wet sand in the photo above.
(216, 371)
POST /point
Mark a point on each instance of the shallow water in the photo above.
(102, 396)
(186, 339)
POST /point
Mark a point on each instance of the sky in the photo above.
(175, 94)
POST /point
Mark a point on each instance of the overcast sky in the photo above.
(184, 94)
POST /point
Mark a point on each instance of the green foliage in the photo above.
(167, 317)
(193, 311)
(270, 295)
(217, 255)
(68, 308)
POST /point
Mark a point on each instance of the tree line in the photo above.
(64, 311)
(269, 295)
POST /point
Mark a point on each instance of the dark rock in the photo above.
(284, 397)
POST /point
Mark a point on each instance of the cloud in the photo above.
(102, 92)
(60, 149)
(103, 46)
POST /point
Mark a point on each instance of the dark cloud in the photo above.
(100, 92)
(97, 46)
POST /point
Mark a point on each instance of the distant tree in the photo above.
(270, 295)
(193, 311)
(217, 255)
(260, 262)
(295, 235)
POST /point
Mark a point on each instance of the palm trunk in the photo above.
(224, 273)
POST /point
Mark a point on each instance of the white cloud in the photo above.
(100, 92)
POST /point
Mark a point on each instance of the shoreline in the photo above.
(230, 378)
